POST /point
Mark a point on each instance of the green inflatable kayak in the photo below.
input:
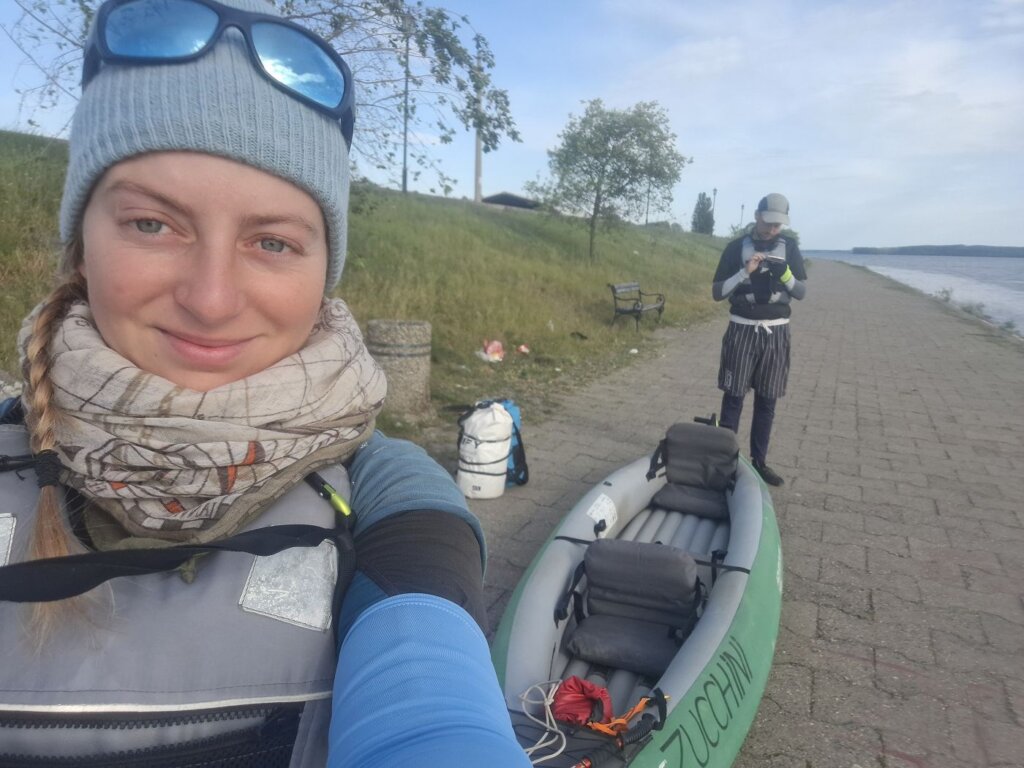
(661, 589)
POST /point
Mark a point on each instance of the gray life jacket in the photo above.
(234, 669)
(763, 289)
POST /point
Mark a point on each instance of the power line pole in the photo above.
(479, 149)
(405, 112)
(714, 198)
(477, 187)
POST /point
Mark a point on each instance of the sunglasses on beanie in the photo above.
(171, 31)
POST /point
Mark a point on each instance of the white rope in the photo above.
(552, 733)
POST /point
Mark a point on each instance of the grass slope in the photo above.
(474, 272)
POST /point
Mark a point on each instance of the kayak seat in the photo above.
(700, 464)
(692, 501)
(639, 604)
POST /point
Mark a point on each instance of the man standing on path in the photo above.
(759, 273)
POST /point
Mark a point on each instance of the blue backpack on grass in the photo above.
(518, 471)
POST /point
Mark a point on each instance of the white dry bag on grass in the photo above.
(485, 440)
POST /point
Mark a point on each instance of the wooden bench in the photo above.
(630, 300)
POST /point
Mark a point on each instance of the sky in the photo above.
(885, 123)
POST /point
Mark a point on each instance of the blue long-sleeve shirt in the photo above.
(415, 684)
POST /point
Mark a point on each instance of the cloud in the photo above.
(885, 121)
(1003, 15)
(876, 101)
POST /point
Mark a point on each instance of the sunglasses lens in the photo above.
(160, 29)
(298, 63)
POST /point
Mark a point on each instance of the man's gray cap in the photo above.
(774, 209)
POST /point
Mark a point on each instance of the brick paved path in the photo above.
(902, 442)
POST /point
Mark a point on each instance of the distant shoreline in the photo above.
(966, 312)
(943, 250)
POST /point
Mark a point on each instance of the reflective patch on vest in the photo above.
(295, 586)
(6, 538)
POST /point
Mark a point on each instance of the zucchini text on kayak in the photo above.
(704, 724)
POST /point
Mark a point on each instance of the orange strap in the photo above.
(618, 725)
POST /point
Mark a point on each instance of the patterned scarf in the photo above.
(173, 464)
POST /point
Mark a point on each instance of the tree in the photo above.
(421, 73)
(703, 216)
(613, 164)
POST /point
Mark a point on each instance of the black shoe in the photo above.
(767, 473)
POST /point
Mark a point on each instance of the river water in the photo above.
(995, 283)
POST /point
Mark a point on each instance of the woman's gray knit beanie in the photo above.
(218, 104)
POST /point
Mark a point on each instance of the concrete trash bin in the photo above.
(402, 348)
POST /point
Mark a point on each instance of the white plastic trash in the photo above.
(484, 444)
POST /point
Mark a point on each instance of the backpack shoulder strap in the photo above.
(520, 474)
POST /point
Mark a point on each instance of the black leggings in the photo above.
(760, 428)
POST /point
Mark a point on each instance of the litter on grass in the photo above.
(491, 351)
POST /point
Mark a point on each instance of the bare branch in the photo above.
(387, 43)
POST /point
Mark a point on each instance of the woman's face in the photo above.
(202, 270)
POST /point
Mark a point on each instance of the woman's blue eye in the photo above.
(269, 244)
(148, 226)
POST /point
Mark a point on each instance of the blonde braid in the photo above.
(51, 536)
